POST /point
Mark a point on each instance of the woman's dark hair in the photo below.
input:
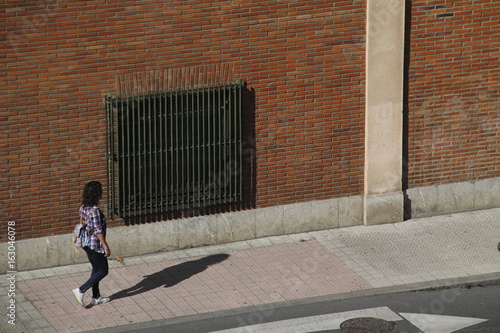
(92, 193)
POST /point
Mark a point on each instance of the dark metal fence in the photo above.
(174, 150)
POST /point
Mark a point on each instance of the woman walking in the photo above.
(97, 249)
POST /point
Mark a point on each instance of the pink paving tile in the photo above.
(174, 288)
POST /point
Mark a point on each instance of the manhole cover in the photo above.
(367, 325)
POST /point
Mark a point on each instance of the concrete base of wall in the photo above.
(453, 198)
(237, 226)
(193, 232)
(383, 208)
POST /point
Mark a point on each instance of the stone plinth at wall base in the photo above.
(223, 228)
(383, 208)
(126, 241)
(454, 198)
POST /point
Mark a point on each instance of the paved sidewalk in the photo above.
(354, 261)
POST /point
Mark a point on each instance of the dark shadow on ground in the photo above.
(171, 276)
(406, 109)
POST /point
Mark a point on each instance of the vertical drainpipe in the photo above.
(383, 196)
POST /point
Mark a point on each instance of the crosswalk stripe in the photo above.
(426, 322)
(440, 324)
(315, 323)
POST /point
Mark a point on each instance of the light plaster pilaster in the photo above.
(384, 111)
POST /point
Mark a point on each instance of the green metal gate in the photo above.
(173, 151)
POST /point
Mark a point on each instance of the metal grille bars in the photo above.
(173, 151)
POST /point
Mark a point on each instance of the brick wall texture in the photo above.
(453, 92)
(304, 60)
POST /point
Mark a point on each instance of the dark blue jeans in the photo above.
(99, 270)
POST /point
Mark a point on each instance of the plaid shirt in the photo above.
(97, 223)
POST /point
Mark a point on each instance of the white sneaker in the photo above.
(79, 296)
(100, 300)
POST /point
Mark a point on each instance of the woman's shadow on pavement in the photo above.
(171, 276)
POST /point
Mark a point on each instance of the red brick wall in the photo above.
(454, 98)
(304, 59)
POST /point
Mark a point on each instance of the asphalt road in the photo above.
(465, 309)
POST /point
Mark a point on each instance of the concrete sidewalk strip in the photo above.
(410, 248)
(181, 287)
(272, 270)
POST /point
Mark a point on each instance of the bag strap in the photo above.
(88, 216)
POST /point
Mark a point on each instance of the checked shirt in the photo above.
(96, 224)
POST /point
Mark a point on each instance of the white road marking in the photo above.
(440, 324)
(426, 322)
(316, 323)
